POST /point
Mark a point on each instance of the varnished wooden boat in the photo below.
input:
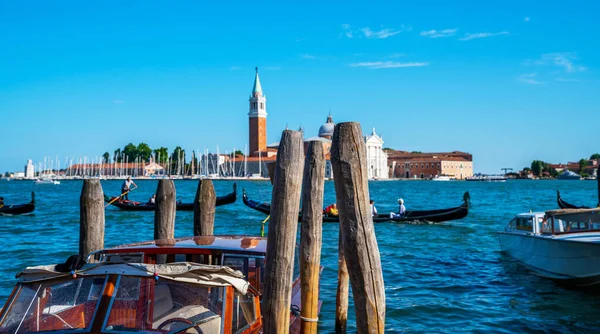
(140, 206)
(19, 209)
(435, 216)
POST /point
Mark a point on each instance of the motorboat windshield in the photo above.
(114, 298)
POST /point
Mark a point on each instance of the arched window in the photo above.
(427, 166)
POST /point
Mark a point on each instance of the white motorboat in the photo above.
(46, 181)
(442, 178)
(562, 245)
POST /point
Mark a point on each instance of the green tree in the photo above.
(538, 166)
(130, 152)
(595, 156)
(582, 165)
(161, 154)
(106, 157)
(117, 155)
(238, 152)
(144, 151)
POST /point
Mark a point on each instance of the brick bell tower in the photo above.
(257, 118)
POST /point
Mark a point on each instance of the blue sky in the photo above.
(508, 81)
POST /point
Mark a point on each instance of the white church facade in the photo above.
(376, 157)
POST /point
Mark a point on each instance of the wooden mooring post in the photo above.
(311, 235)
(285, 205)
(204, 208)
(341, 297)
(91, 217)
(598, 184)
(349, 164)
(164, 214)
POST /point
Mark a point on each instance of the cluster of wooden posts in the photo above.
(296, 175)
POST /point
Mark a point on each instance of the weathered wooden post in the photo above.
(271, 170)
(311, 235)
(164, 214)
(348, 159)
(204, 208)
(341, 298)
(91, 217)
(598, 184)
(285, 204)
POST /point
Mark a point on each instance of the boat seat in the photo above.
(164, 309)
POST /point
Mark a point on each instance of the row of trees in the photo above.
(176, 160)
(539, 167)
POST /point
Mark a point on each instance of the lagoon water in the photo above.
(449, 277)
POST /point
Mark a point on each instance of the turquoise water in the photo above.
(438, 278)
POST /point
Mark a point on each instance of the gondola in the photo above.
(19, 209)
(435, 216)
(564, 205)
(139, 206)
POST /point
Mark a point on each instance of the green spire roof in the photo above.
(257, 87)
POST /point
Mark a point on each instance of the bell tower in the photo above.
(257, 118)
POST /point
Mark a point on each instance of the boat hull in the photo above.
(139, 206)
(434, 216)
(568, 259)
(19, 209)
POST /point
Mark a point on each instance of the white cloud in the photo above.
(307, 56)
(565, 60)
(526, 19)
(347, 30)
(118, 101)
(375, 65)
(383, 33)
(369, 33)
(529, 78)
(439, 33)
(469, 37)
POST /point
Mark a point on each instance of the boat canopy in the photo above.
(580, 215)
(186, 272)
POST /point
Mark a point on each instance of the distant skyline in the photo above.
(507, 82)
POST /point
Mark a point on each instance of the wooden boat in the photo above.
(120, 297)
(561, 245)
(244, 253)
(436, 216)
(140, 206)
(19, 209)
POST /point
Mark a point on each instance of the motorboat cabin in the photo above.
(117, 297)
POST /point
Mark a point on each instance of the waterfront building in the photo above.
(29, 170)
(257, 118)
(417, 165)
(376, 157)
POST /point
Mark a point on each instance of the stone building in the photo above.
(417, 165)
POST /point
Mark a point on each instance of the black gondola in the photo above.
(564, 205)
(19, 209)
(139, 206)
(436, 216)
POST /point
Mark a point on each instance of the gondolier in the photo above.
(126, 188)
(1, 202)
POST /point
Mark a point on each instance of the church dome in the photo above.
(326, 130)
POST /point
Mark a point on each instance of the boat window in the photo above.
(144, 304)
(252, 267)
(525, 223)
(244, 312)
(56, 305)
